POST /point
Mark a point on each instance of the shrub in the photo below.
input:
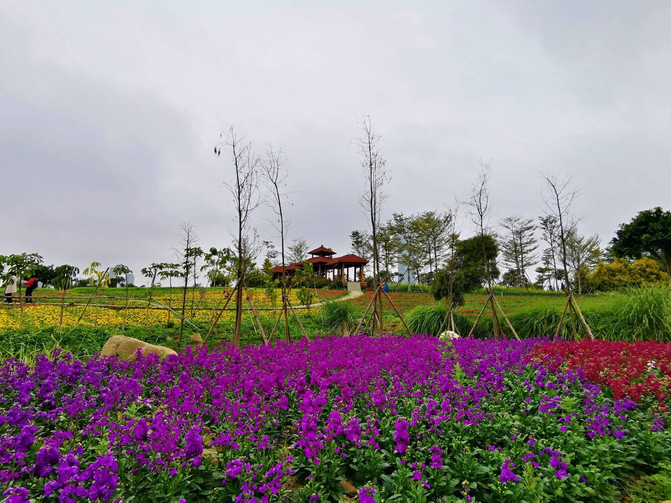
(640, 314)
(337, 316)
(429, 319)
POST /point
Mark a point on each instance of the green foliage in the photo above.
(305, 296)
(649, 233)
(620, 274)
(646, 488)
(641, 314)
(96, 276)
(339, 316)
(414, 288)
(467, 270)
(429, 319)
(22, 265)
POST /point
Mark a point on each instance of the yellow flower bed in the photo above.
(44, 316)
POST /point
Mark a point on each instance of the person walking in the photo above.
(10, 289)
(31, 284)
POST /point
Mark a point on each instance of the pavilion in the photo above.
(346, 268)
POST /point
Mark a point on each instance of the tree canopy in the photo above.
(648, 234)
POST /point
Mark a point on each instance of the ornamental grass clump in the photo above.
(414, 419)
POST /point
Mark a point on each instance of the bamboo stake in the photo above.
(510, 325)
(91, 296)
(479, 316)
(60, 322)
(298, 320)
(396, 310)
(216, 320)
(563, 315)
(364, 315)
(496, 323)
(445, 320)
(454, 325)
(583, 321)
(256, 317)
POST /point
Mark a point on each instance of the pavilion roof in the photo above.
(321, 250)
(278, 269)
(349, 259)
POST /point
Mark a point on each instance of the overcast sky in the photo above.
(109, 112)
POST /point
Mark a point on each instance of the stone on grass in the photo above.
(196, 339)
(125, 348)
(448, 335)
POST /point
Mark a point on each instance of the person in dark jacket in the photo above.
(31, 284)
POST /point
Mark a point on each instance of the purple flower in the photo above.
(353, 430)
(561, 474)
(507, 474)
(366, 495)
(45, 460)
(140, 431)
(436, 457)
(16, 494)
(194, 444)
(26, 438)
(401, 435)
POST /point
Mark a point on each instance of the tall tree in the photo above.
(648, 234)
(361, 244)
(465, 270)
(245, 191)
(389, 248)
(275, 176)
(480, 211)
(518, 247)
(186, 259)
(65, 276)
(409, 249)
(432, 233)
(559, 201)
(216, 264)
(298, 251)
(583, 253)
(375, 175)
(549, 233)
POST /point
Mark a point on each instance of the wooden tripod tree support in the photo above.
(498, 329)
(284, 313)
(377, 297)
(575, 308)
(253, 309)
(448, 320)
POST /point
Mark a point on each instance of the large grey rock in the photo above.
(125, 348)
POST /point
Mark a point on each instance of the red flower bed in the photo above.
(630, 369)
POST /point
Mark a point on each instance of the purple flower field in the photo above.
(400, 419)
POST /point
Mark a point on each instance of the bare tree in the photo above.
(186, 257)
(373, 164)
(245, 191)
(559, 200)
(480, 210)
(275, 176)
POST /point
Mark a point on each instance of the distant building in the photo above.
(346, 268)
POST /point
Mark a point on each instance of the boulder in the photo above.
(196, 339)
(349, 489)
(125, 348)
(448, 335)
